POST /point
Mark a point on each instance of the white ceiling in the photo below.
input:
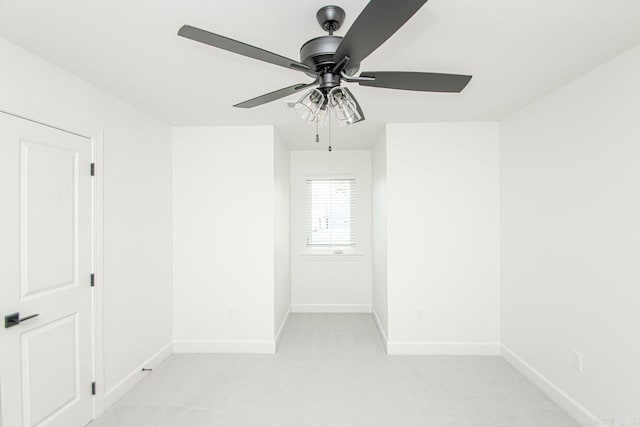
(517, 51)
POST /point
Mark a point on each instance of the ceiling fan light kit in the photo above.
(331, 60)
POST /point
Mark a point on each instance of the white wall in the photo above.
(379, 213)
(137, 205)
(282, 238)
(571, 239)
(331, 283)
(443, 238)
(223, 188)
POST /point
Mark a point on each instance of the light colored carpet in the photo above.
(331, 370)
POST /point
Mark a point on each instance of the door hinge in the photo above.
(93, 169)
(93, 279)
(93, 388)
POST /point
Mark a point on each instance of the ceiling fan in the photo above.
(332, 59)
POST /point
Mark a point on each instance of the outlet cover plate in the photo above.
(576, 361)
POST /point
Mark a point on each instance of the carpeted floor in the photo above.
(331, 370)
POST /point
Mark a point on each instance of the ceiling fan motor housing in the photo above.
(318, 54)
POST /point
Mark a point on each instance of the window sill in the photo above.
(331, 253)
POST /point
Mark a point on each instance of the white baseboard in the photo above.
(281, 328)
(112, 395)
(555, 393)
(256, 347)
(443, 348)
(331, 308)
(383, 336)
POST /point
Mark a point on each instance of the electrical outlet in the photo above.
(419, 313)
(576, 361)
(230, 313)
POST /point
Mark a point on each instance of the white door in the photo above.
(46, 362)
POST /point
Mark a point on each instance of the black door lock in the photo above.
(14, 319)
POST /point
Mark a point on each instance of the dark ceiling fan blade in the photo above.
(425, 82)
(379, 20)
(240, 48)
(275, 95)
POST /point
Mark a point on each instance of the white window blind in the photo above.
(330, 207)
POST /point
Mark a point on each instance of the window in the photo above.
(330, 213)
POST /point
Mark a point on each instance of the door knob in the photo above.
(14, 319)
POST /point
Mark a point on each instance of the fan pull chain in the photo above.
(317, 130)
(329, 113)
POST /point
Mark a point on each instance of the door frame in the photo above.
(97, 254)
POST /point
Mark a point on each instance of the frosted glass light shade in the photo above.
(344, 106)
(322, 118)
(310, 105)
